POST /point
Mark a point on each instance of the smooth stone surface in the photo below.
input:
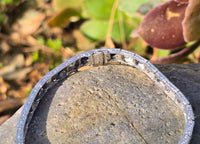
(106, 104)
(8, 129)
(185, 77)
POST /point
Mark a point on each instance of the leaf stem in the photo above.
(155, 54)
(110, 25)
(122, 32)
(177, 56)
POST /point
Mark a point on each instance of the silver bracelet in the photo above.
(102, 57)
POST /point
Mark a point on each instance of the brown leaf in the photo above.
(30, 22)
(82, 42)
(35, 76)
(3, 89)
(191, 22)
(11, 104)
(161, 27)
(66, 53)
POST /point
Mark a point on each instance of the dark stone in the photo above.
(187, 79)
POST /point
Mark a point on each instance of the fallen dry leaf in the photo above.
(66, 53)
(3, 89)
(82, 42)
(11, 104)
(30, 22)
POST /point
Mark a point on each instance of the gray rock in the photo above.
(16, 62)
(185, 77)
(18, 74)
(8, 129)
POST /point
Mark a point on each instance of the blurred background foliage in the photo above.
(37, 35)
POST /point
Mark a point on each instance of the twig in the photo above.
(11, 104)
(177, 56)
(110, 25)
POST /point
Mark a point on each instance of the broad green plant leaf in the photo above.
(99, 9)
(62, 18)
(117, 32)
(95, 29)
(130, 6)
(123, 27)
(63, 4)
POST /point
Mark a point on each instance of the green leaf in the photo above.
(130, 6)
(95, 29)
(13, 2)
(124, 26)
(139, 46)
(54, 44)
(99, 9)
(117, 32)
(6, 1)
(62, 18)
(63, 4)
(41, 40)
(35, 56)
(1, 64)
(162, 53)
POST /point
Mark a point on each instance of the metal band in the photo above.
(102, 57)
